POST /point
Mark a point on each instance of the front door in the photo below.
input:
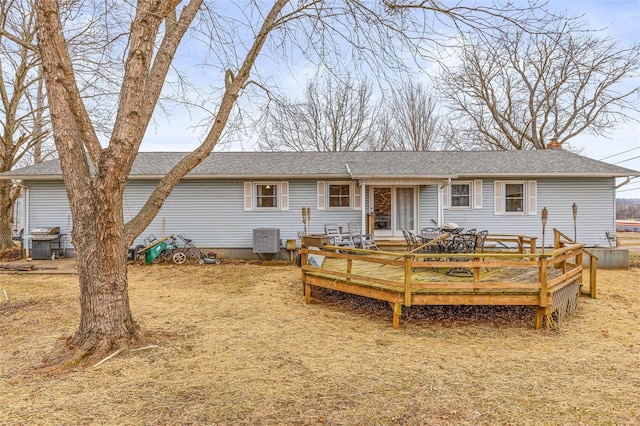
(394, 208)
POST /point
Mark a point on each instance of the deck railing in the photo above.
(529, 277)
(561, 240)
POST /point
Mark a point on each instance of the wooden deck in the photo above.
(549, 282)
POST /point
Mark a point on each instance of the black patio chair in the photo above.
(462, 243)
(407, 239)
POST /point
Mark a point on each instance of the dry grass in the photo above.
(237, 345)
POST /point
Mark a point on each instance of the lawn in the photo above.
(235, 344)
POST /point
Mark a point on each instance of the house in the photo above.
(227, 196)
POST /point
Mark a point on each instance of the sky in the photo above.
(621, 18)
(622, 147)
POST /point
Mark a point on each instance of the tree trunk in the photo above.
(6, 206)
(106, 322)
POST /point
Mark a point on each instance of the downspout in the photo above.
(363, 217)
(363, 202)
(440, 205)
(25, 219)
(349, 170)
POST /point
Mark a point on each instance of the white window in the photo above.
(266, 195)
(338, 196)
(515, 197)
(460, 195)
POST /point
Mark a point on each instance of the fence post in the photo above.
(306, 288)
(541, 310)
(592, 276)
(407, 280)
(556, 239)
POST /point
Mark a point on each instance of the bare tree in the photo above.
(148, 45)
(417, 123)
(523, 89)
(336, 115)
(22, 103)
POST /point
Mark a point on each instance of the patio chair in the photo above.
(611, 238)
(335, 236)
(407, 240)
(462, 243)
(482, 238)
(363, 241)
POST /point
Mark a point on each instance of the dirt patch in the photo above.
(235, 344)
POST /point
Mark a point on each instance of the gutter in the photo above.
(623, 183)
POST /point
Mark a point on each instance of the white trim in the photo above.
(255, 196)
(248, 196)
(444, 196)
(469, 184)
(320, 195)
(328, 185)
(524, 197)
(357, 197)
(284, 195)
(477, 194)
(497, 198)
(532, 206)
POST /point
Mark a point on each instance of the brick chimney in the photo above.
(554, 144)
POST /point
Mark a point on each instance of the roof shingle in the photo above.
(359, 165)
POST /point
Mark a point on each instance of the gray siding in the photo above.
(428, 206)
(595, 199)
(211, 213)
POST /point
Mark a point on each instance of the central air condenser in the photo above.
(266, 241)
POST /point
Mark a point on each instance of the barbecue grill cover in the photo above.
(46, 231)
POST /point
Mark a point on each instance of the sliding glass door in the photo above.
(395, 209)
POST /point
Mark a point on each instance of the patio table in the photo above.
(444, 245)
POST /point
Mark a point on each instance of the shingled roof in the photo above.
(358, 165)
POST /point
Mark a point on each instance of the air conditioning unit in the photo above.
(266, 241)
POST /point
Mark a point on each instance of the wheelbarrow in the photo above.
(155, 248)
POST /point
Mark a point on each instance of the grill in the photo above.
(42, 241)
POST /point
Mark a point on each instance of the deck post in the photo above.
(556, 239)
(407, 280)
(533, 241)
(397, 311)
(579, 263)
(307, 293)
(476, 271)
(303, 262)
(592, 276)
(539, 317)
(542, 302)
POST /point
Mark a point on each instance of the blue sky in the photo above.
(622, 20)
(620, 17)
